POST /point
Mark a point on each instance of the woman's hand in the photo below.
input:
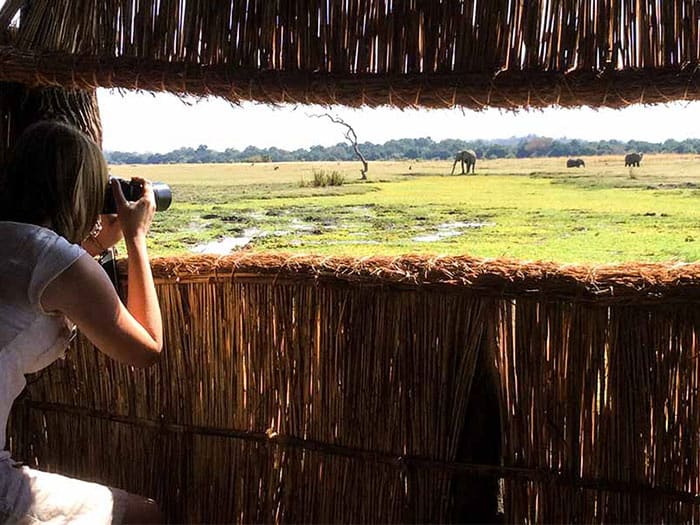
(135, 218)
(110, 234)
(131, 334)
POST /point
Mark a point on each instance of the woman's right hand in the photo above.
(133, 333)
(135, 218)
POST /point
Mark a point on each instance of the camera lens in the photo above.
(133, 191)
(163, 195)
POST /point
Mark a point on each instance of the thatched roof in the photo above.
(429, 53)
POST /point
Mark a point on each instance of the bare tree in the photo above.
(351, 137)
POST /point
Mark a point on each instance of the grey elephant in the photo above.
(575, 163)
(467, 157)
(633, 159)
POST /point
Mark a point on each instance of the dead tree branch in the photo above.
(351, 137)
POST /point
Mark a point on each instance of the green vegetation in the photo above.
(527, 209)
(322, 178)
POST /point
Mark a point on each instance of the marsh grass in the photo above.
(322, 178)
(528, 209)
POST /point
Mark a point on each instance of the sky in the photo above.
(158, 123)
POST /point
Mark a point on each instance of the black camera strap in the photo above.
(108, 261)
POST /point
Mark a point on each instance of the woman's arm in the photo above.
(87, 297)
(142, 300)
(134, 333)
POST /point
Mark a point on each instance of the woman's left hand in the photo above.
(111, 232)
(109, 235)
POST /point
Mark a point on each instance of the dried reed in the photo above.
(337, 390)
(471, 53)
(21, 106)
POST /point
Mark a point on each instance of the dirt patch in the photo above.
(673, 186)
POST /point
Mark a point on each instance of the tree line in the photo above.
(411, 149)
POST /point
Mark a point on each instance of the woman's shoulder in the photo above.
(29, 245)
(25, 228)
(28, 236)
(31, 257)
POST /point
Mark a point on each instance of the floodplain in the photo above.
(527, 209)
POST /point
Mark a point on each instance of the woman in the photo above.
(50, 201)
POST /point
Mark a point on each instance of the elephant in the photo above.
(467, 157)
(575, 163)
(633, 159)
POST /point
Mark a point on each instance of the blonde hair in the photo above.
(55, 177)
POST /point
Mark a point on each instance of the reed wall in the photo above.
(307, 389)
(21, 106)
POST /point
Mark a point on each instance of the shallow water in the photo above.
(450, 229)
(228, 244)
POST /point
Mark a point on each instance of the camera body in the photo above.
(133, 191)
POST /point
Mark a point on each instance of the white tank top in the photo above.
(30, 338)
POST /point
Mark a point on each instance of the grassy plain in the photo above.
(530, 209)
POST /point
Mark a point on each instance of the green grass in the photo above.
(527, 209)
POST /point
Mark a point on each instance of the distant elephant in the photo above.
(467, 157)
(575, 163)
(633, 159)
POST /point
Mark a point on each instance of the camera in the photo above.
(133, 191)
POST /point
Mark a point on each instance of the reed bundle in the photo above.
(413, 53)
(21, 106)
(297, 389)
(502, 277)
